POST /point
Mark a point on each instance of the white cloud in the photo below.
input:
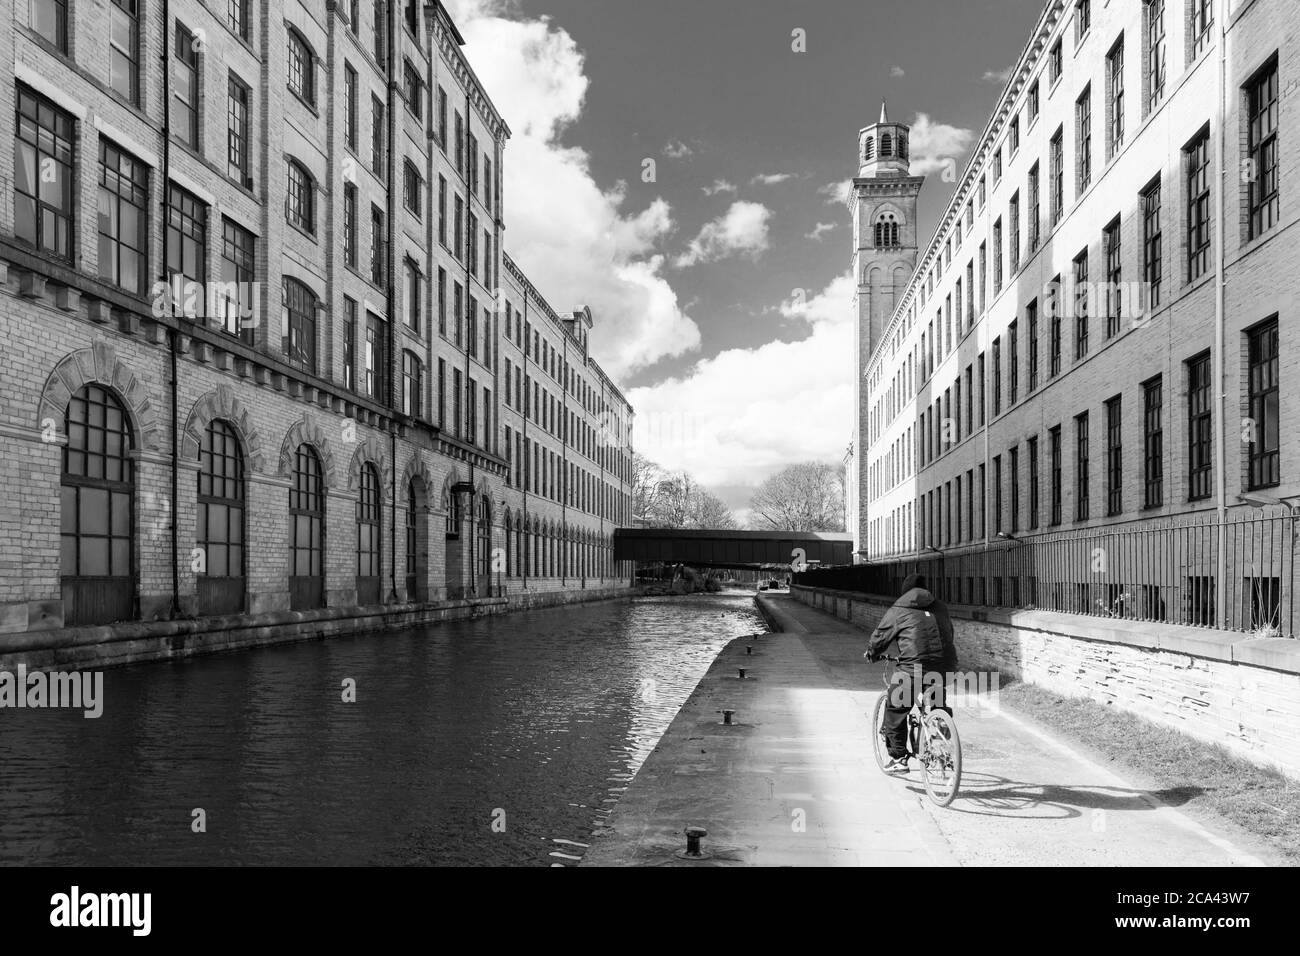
(742, 230)
(676, 149)
(770, 179)
(784, 401)
(819, 230)
(719, 186)
(837, 194)
(997, 76)
(936, 146)
(578, 242)
(897, 72)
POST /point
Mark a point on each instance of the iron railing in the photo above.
(1165, 570)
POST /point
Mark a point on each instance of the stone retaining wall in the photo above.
(1220, 687)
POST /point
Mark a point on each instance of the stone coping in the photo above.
(1279, 653)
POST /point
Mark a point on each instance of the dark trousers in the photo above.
(910, 684)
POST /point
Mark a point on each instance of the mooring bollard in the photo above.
(693, 837)
(742, 672)
(726, 715)
(749, 648)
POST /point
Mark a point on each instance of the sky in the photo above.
(680, 166)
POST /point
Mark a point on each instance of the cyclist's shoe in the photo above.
(896, 765)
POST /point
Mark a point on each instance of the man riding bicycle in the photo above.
(919, 623)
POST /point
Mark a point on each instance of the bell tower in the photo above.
(883, 202)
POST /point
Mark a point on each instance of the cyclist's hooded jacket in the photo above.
(919, 622)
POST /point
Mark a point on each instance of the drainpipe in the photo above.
(523, 445)
(172, 334)
(390, 399)
(1220, 449)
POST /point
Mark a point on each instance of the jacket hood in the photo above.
(917, 597)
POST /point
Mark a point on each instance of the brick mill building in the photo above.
(1072, 396)
(263, 350)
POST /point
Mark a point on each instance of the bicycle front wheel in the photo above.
(942, 761)
(878, 732)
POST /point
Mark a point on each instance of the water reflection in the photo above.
(499, 741)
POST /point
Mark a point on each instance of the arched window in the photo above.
(484, 536)
(887, 230)
(510, 545)
(521, 550)
(886, 145)
(306, 532)
(902, 144)
(368, 536)
(451, 508)
(219, 533)
(299, 325)
(98, 484)
(869, 148)
(302, 68)
(300, 204)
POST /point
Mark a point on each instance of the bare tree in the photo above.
(805, 497)
(675, 500)
(646, 493)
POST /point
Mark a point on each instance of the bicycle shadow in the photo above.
(986, 794)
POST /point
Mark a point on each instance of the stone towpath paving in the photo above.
(792, 782)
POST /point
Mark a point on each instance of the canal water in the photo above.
(501, 741)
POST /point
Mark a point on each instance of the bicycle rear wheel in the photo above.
(877, 735)
(942, 761)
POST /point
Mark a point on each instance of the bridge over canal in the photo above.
(732, 549)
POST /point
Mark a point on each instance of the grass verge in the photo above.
(1261, 801)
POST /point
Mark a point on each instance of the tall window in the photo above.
(49, 18)
(442, 210)
(237, 299)
(411, 282)
(484, 548)
(1032, 103)
(302, 68)
(412, 188)
(1054, 437)
(1033, 208)
(219, 530)
(1115, 102)
(1013, 244)
(1081, 305)
(187, 239)
(237, 138)
(1200, 438)
(1196, 160)
(1262, 168)
(458, 240)
(375, 356)
(96, 527)
(413, 89)
(1202, 20)
(350, 106)
(378, 244)
(123, 218)
(997, 376)
(1054, 303)
(43, 174)
(1057, 153)
(1081, 467)
(1264, 421)
(1083, 127)
(1055, 63)
(298, 325)
(983, 272)
(350, 224)
(460, 143)
(412, 383)
(1114, 278)
(982, 380)
(349, 343)
(185, 88)
(300, 204)
(369, 527)
(381, 32)
(1031, 315)
(241, 18)
(124, 49)
(1114, 456)
(306, 531)
(1013, 362)
(442, 119)
(1082, 19)
(1015, 489)
(1033, 482)
(1154, 12)
(997, 493)
(377, 136)
(997, 257)
(415, 586)
(1153, 442)
(442, 301)
(1152, 251)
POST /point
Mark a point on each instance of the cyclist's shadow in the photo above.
(987, 794)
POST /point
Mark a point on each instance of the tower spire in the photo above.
(884, 116)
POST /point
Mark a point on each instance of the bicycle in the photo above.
(931, 738)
